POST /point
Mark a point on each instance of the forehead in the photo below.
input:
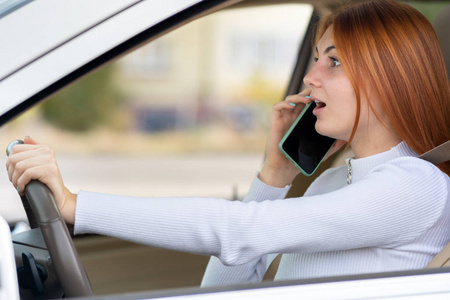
(326, 40)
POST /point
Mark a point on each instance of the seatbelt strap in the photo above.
(438, 154)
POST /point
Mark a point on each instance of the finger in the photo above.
(21, 182)
(10, 169)
(22, 151)
(306, 91)
(283, 105)
(11, 162)
(25, 159)
(22, 148)
(298, 99)
(298, 106)
(17, 156)
(29, 140)
(40, 173)
(302, 97)
(22, 165)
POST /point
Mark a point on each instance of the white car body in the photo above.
(47, 44)
(41, 50)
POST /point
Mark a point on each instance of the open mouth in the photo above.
(319, 104)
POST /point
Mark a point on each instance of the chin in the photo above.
(329, 131)
(322, 130)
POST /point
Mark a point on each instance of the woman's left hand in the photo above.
(277, 169)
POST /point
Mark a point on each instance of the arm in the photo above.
(392, 205)
(218, 274)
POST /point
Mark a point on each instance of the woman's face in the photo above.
(332, 91)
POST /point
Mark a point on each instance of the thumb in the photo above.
(29, 140)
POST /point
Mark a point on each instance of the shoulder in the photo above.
(413, 174)
(418, 188)
(413, 166)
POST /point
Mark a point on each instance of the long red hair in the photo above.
(390, 49)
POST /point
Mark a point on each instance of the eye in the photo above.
(316, 59)
(335, 62)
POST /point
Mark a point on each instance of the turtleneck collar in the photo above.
(362, 166)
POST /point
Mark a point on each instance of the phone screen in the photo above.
(303, 145)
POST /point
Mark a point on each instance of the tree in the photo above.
(90, 102)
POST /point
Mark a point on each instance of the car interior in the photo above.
(441, 25)
(67, 275)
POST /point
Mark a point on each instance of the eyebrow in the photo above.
(328, 49)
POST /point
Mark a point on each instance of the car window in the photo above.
(202, 93)
(8, 6)
(184, 115)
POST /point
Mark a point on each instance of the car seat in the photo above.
(441, 154)
(441, 25)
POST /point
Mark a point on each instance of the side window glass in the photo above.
(186, 114)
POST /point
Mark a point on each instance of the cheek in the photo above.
(341, 111)
(342, 98)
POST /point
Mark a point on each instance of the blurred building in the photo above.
(223, 68)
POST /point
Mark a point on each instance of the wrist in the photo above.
(68, 209)
(277, 177)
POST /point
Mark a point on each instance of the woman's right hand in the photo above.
(32, 161)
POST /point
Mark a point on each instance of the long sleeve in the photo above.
(217, 273)
(393, 204)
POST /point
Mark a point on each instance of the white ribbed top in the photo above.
(394, 216)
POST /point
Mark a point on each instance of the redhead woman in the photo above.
(380, 86)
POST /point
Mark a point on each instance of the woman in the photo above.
(380, 85)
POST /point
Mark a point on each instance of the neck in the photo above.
(366, 144)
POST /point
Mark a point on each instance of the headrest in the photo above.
(441, 25)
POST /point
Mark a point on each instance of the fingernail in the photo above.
(17, 188)
(307, 97)
(291, 104)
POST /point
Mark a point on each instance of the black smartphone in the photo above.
(303, 145)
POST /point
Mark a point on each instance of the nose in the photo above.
(312, 79)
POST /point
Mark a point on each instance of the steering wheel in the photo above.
(42, 212)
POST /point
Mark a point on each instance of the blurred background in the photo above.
(191, 108)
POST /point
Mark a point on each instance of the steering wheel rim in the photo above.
(66, 262)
